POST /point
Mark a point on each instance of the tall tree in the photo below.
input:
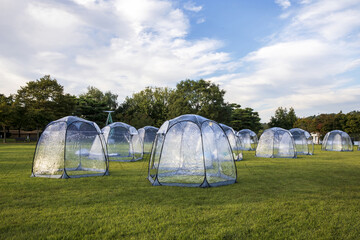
(307, 124)
(291, 118)
(199, 97)
(108, 98)
(92, 110)
(19, 115)
(147, 107)
(352, 125)
(283, 118)
(44, 101)
(5, 113)
(244, 118)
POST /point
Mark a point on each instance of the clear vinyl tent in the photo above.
(63, 150)
(191, 151)
(147, 135)
(337, 140)
(303, 141)
(235, 142)
(276, 143)
(123, 142)
(248, 139)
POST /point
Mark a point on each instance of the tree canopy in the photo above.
(324, 123)
(199, 97)
(44, 101)
(283, 118)
(5, 113)
(107, 98)
(147, 107)
(244, 118)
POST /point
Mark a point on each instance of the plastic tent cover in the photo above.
(63, 150)
(249, 139)
(193, 151)
(147, 135)
(123, 142)
(337, 140)
(234, 141)
(276, 142)
(303, 141)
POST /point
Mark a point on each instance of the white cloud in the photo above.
(303, 65)
(200, 20)
(283, 3)
(305, 1)
(190, 6)
(124, 46)
(116, 45)
(10, 71)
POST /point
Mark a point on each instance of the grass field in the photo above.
(311, 197)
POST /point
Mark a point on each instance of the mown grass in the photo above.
(311, 197)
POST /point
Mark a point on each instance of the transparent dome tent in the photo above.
(234, 140)
(276, 143)
(248, 139)
(147, 136)
(303, 141)
(191, 151)
(123, 142)
(337, 140)
(63, 150)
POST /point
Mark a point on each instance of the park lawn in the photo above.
(311, 197)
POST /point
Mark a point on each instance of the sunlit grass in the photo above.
(311, 197)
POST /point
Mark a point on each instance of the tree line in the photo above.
(44, 100)
(321, 123)
(41, 101)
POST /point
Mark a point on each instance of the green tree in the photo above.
(323, 123)
(283, 118)
(352, 124)
(199, 97)
(5, 113)
(244, 118)
(307, 124)
(147, 107)
(91, 109)
(291, 118)
(44, 101)
(96, 94)
(19, 115)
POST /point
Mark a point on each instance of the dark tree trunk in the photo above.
(4, 131)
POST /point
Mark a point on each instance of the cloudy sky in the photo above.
(292, 53)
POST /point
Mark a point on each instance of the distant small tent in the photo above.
(123, 142)
(276, 143)
(337, 140)
(191, 151)
(235, 142)
(63, 150)
(303, 141)
(147, 135)
(248, 139)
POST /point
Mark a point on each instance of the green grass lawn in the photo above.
(311, 197)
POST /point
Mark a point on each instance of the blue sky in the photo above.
(241, 25)
(266, 54)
